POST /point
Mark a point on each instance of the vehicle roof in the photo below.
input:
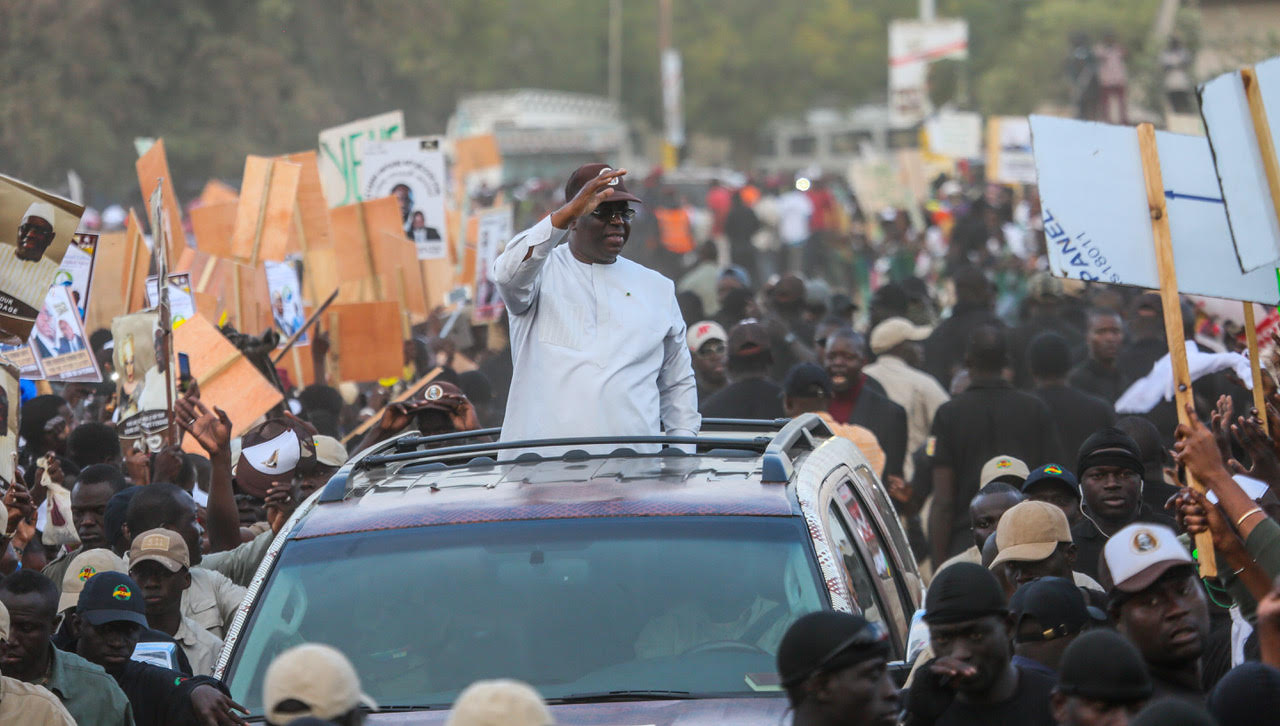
(657, 485)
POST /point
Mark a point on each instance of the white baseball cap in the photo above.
(700, 333)
(500, 703)
(1138, 555)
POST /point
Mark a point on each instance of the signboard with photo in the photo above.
(35, 230)
(76, 270)
(182, 304)
(340, 153)
(411, 170)
(286, 300)
(59, 341)
(22, 358)
(494, 230)
(141, 401)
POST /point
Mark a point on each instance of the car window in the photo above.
(858, 578)
(880, 564)
(572, 606)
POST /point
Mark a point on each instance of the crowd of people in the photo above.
(1010, 416)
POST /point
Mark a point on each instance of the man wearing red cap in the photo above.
(597, 341)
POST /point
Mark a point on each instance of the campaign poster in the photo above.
(35, 230)
(141, 399)
(341, 149)
(493, 231)
(286, 300)
(21, 357)
(10, 402)
(412, 171)
(76, 271)
(182, 304)
(59, 341)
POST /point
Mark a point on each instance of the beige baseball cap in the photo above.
(1030, 532)
(893, 332)
(998, 467)
(82, 567)
(160, 545)
(330, 451)
(318, 676)
(500, 703)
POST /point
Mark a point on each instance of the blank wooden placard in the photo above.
(438, 278)
(397, 262)
(217, 192)
(353, 227)
(227, 379)
(366, 339)
(213, 225)
(106, 300)
(264, 218)
(312, 221)
(154, 165)
(135, 266)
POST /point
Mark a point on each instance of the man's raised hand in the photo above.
(591, 195)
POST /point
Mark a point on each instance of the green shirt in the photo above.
(241, 563)
(88, 693)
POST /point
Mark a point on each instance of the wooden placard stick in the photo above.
(288, 344)
(1262, 131)
(133, 243)
(1255, 366)
(262, 213)
(368, 252)
(1172, 309)
(236, 296)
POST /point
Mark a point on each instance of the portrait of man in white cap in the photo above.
(27, 272)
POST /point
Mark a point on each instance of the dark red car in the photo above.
(627, 587)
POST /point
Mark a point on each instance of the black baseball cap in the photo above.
(1110, 447)
(1102, 665)
(807, 380)
(827, 640)
(586, 173)
(963, 591)
(1052, 474)
(1058, 607)
(748, 339)
(110, 597)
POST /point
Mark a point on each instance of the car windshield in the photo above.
(574, 607)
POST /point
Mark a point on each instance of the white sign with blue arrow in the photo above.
(1097, 224)
(1224, 106)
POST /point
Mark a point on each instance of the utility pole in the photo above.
(928, 10)
(615, 52)
(671, 75)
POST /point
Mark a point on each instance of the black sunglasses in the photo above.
(607, 215)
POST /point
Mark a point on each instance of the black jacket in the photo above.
(748, 398)
(159, 696)
(888, 421)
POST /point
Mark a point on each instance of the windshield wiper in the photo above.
(612, 696)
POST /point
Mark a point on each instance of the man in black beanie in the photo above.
(833, 668)
(1110, 469)
(1102, 680)
(1248, 694)
(972, 681)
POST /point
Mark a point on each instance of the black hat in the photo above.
(963, 591)
(807, 380)
(748, 339)
(819, 641)
(1245, 693)
(586, 173)
(1173, 711)
(110, 597)
(1056, 604)
(1110, 447)
(1054, 474)
(1102, 665)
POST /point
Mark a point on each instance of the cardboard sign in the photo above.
(477, 164)
(1009, 156)
(137, 262)
(213, 225)
(495, 229)
(354, 227)
(411, 170)
(340, 154)
(143, 393)
(216, 192)
(76, 270)
(365, 338)
(265, 215)
(153, 167)
(1240, 161)
(59, 342)
(36, 228)
(913, 45)
(899, 180)
(1096, 220)
(22, 358)
(10, 403)
(182, 305)
(955, 134)
(226, 378)
(286, 300)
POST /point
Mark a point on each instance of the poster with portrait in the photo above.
(36, 228)
(411, 170)
(286, 300)
(20, 355)
(142, 402)
(59, 341)
(493, 231)
(182, 304)
(10, 401)
(76, 270)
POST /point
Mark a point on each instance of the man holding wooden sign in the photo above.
(597, 341)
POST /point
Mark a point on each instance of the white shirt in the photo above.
(597, 350)
(794, 210)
